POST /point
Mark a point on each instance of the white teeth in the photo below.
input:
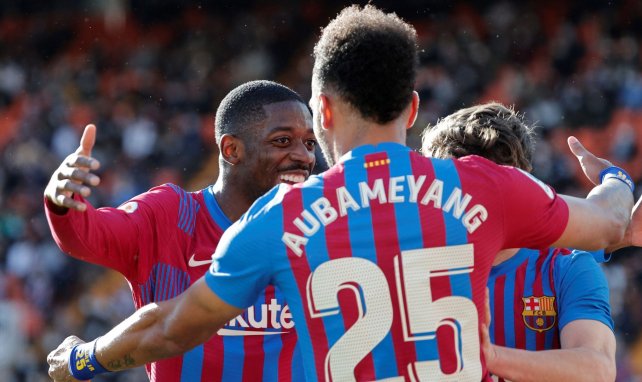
(292, 178)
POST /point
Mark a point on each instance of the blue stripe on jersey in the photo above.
(271, 346)
(357, 224)
(333, 324)
(233, 363)
(455, 231)
(192, 365)
(215, 210)
(491, 287)
(297, 372)
(529, 279)
(284, 278)
(546, 288)
(509, 309)
(410, 237)
(181, 206)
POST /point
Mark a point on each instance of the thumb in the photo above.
(576, 147)
(87, 140)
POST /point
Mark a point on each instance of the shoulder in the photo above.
(167, 199)
(570, 264)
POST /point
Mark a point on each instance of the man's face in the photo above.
(319, 131)
(282, 148)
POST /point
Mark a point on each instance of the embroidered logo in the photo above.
(539, 312)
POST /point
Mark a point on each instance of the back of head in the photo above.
(242, 108)
(492, 131)
(369, 58)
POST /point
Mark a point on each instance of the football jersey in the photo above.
(534, 294)
(384, 259)
(162, 242)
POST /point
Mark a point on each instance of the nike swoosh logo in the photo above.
(197, 263)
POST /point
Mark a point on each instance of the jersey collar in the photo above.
(364, 150)
(214, 209)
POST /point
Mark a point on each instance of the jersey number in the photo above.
(420, 315)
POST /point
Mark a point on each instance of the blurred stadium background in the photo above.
(150, 75)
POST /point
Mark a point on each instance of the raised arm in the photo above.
(600, 220)
(74, 176)
(154, 332)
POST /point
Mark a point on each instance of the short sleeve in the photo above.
(600, 256)
(534, 215)
(240, 269)
(582, 289)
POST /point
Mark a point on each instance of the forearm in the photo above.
(615, 198)
(600, 220)
(577, 364)
(99, 236)
(145, 337)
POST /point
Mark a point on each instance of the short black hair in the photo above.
(242, 107)
(370, 58)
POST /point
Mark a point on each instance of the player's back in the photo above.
(384, 258)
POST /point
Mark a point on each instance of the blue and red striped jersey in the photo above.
(534, 294)
(162, 241)
(384, 259)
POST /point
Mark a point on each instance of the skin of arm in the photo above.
(154, 332)
(607, 208)
(600, 220)
(582, 357)
(165, 329)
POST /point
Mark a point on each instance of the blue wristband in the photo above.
(617, 173)
(83, 364)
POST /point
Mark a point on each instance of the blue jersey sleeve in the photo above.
(239, 271)
(582, 290)
(601, 256)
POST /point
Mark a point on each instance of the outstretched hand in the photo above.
(58, 360)
(74, 175)
(591, 165)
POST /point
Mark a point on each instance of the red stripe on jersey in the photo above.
(434, 235)
(440, 287)
(292, 206)
(518, 320)
(538, 291)
(433, 228)
(384, 227)
(254, 358)
(498, 310)
(556, 338)
(337, 236)
(285, 357)
(213, 357)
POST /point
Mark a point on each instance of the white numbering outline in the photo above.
(420, 315)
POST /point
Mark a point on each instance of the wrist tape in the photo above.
(617, 173)
(83, 364)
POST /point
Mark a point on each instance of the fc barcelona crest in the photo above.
(539, 312)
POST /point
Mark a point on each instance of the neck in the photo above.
(362, 132)
(230, 197)
(504, 255)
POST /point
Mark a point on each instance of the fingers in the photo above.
(80, 176)
(576, 147)
(487, 307)
(87, 140)
(77, 160)
(69, 202)
(58, 360)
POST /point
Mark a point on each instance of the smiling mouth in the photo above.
(292, 178)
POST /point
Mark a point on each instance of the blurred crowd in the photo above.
(150, 77)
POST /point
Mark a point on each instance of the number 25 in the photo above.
(420, 315)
